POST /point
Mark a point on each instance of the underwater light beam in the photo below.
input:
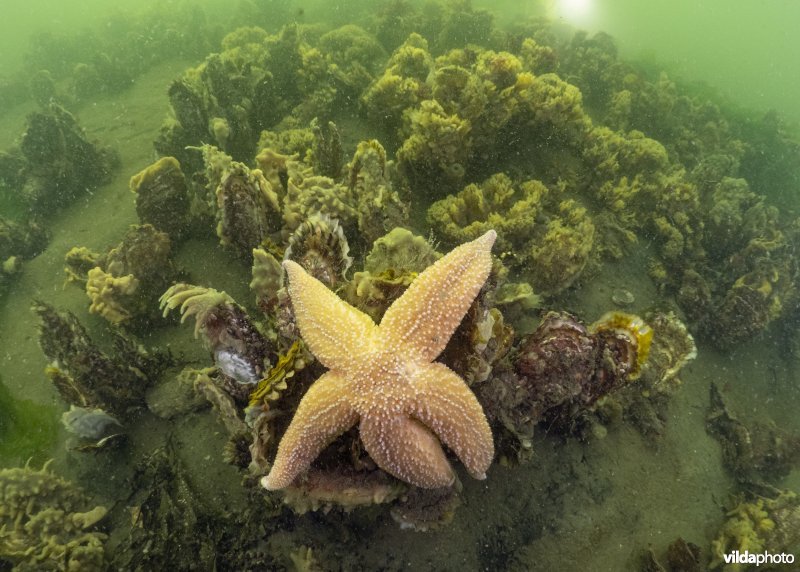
(577, 12)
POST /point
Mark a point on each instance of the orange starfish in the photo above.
(383, 376)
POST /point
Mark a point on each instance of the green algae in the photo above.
(27, 430)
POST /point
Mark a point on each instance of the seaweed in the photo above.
(27, 430)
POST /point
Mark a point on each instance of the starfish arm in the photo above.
(426, 315)
(334, 331)
(324, 413)
(446, 405)
(403, 447)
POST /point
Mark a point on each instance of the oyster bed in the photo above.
(620, 476)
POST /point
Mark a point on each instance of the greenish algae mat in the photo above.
(594, 501)
(28, 430)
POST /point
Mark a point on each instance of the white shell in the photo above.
(235, 366)
(88, 423)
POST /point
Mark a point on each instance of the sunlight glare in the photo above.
(575, 11)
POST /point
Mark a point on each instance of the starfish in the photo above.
(383, 377)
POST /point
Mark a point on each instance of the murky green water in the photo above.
(632, 158)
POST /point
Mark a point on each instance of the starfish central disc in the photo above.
(383, 377)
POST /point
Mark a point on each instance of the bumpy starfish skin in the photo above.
(383, 378)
